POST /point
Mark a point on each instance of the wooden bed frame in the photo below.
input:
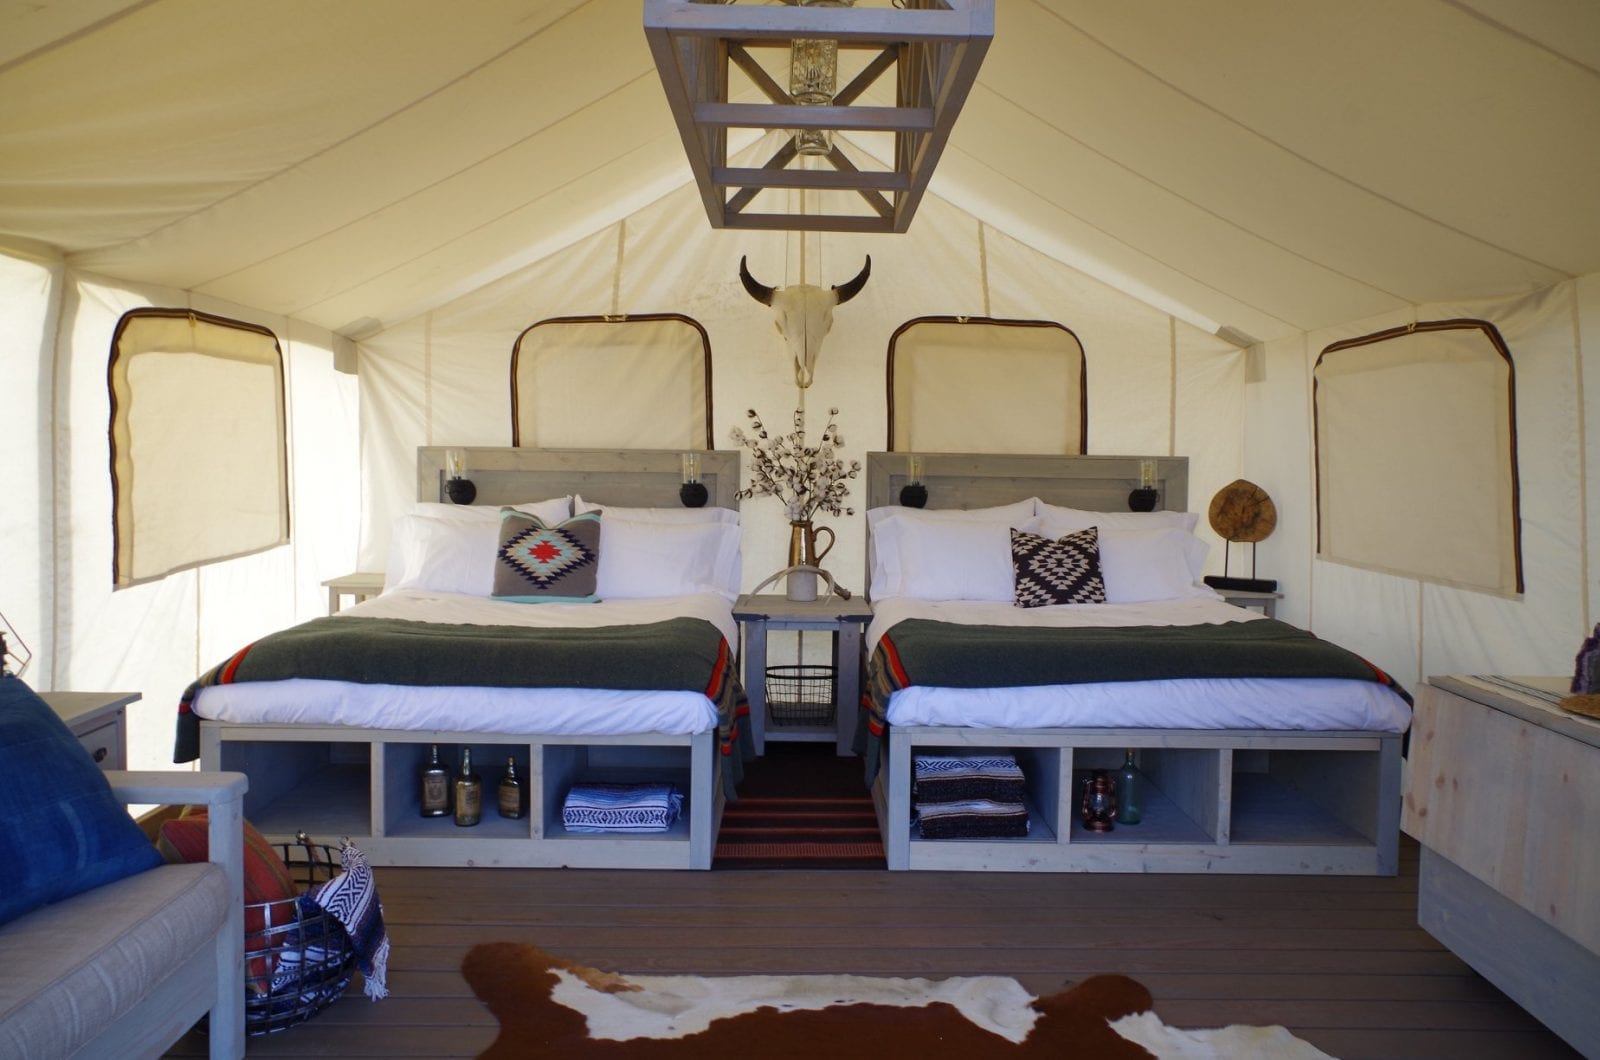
(1218, 800)
(333, 781)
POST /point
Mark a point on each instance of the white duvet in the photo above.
(550, 711)
(1210, 703)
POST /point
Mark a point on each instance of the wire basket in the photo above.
(800, 694)
(297, 958)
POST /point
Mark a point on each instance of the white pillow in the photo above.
(639, 560)
(959, 559)
(443, 555)
(550, 512)
(1073, 519)
(884, 546)
(1141, 565)
(657, 515)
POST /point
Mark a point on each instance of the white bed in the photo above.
(479, 708)
(341, 756)
(1246, 773)
(1205, 703)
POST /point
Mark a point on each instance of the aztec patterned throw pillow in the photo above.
(1066, 571)
(536, 563)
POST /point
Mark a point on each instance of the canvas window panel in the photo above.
(981, 385)
(199, 452)
(634, 382)
(1416, 455)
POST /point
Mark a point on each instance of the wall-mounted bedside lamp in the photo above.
(1144, 498)
(458, 487)
(693, 492)
(913, 494)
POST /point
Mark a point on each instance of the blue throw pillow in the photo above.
(62, 831)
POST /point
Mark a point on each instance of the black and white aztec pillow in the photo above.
(1066, 571)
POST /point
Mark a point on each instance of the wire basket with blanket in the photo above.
(298, 958)
(311, 919)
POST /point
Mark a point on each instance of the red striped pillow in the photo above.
(266, 879)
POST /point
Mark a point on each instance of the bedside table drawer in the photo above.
(104, 745)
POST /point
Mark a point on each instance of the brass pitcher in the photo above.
(802, 585)
(803, 544)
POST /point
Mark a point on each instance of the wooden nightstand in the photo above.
(360, 585)
(98, 720)
(846, 620)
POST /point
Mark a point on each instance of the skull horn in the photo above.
(759, 292)
(850, 288)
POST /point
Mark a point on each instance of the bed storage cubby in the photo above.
(365, 784)
(403, 761)
(1213, 801)
(319, 786)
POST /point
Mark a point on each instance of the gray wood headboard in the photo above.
(980, 480)
(628, 477)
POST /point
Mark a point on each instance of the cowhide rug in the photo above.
(549, 1007)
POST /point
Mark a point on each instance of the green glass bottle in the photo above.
(1130, 799)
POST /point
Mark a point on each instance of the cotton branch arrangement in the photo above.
(806, 478)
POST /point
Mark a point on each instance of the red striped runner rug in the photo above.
(801, 807)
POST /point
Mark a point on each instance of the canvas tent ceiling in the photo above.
(1269, 167)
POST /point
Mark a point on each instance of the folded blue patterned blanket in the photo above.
(593, 807)
(956, 778)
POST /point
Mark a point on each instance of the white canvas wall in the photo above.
(55, 584)
(1156, 385)
(1416, 629)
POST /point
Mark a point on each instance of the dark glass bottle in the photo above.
(513, 795)
(1130, 799)
(469, 792)
(435, 786)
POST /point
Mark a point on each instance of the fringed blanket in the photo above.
(921, 651)
(952, 778)
(678, 654)
(972, 819)
(351, 898)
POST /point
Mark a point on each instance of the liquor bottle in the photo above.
(435, 787)
(469, 792)
(513, 796)
(1130, 799)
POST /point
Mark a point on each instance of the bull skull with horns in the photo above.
(803, 314)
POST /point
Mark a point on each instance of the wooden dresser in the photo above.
(1503, 794)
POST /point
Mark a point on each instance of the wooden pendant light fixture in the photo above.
(709, 56)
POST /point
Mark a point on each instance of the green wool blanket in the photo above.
(678, 654)
(921, 651)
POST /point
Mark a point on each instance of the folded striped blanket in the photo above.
(956, 778)
(972, 819)
(592, 807)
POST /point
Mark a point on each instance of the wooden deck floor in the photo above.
(1340, 961)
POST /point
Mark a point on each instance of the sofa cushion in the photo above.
(62, 830)
(73, 967)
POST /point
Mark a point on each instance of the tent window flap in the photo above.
(199, 452)
(1416, 455)
(981, 385)
(642, 381)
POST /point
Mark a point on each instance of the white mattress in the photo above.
(1209, 703)
(549, 711)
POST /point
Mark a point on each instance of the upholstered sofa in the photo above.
(106, 950)
(125, 969)
(128, 967)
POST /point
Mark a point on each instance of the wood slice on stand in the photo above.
(1242, 511)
